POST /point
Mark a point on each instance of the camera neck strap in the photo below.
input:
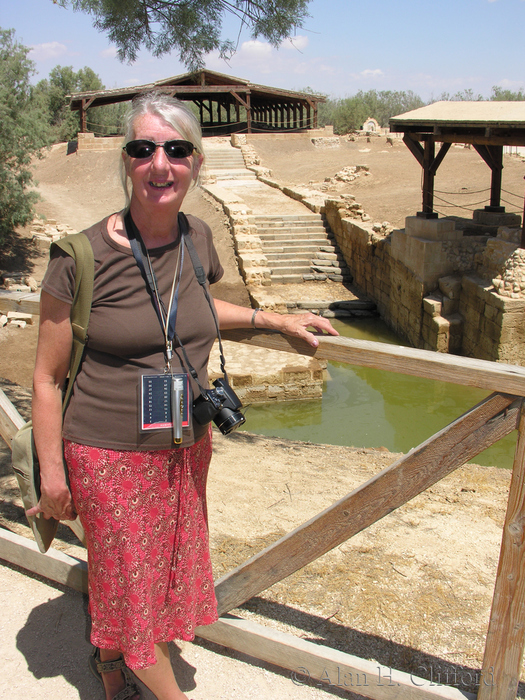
(167, 318)
(202, 280)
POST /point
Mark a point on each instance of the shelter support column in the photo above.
(493, 157)
(506, 633)
(83, 114)
(430, 163)
(428, 181)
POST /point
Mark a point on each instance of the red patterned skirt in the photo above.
(144, 514)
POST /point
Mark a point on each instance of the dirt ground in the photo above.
(412, 592)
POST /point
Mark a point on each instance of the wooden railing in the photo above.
(493, 418)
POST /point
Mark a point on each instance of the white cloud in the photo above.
(299, 43)
(44, 52)
(111, 52)
(372, 73)
(510, 84)
(254, 49)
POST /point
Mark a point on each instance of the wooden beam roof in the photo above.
(187, 86)
(486, 123)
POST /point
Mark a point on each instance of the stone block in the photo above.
(450, 286)
(432, 305)
(450, 306)
(15, 316)
(240, 380)
(440, 325)
(491, 218)
(294, 375)
(432, 229)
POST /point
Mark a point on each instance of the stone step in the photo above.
(290, 255)
(288, 219)
(301, 262)
(288, 279)
(291, 251)
(292, 270)
(226, 163)
(294, 236)
(306, 228)
(233, 175)
(344, 305)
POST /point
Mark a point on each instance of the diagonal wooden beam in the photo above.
(414, 147)
(445, 147)
(489, 421)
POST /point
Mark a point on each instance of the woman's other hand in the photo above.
(297, 326)
(55, 501)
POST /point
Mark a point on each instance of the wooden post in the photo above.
(522, 244)
(495, 184)
(83, 117)
(428, 178)
(506, 634)
(249, 113)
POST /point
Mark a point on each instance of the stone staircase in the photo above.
(227, 163)
(300, 248)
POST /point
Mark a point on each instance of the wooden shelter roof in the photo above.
(204, 84)
(489, 123)
(487, 126)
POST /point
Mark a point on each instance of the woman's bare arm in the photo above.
(232, 316)
(51, 368)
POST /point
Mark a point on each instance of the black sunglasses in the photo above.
(145, 149)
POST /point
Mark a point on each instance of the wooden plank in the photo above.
(334, 669)
(10, 420)
(493, 376)
(506, 633)
(494, 140)
(54, 565)
(423, 466)
(27, 303)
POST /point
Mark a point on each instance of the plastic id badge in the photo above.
(160, 392)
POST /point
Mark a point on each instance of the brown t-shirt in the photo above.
(125, 336)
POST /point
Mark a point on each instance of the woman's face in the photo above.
(159, 180)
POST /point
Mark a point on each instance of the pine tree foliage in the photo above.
(190, 27)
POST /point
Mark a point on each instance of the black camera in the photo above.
(220, 405)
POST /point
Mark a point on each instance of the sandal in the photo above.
(99, 667)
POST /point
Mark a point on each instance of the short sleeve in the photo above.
(59, 280)
(203, 240)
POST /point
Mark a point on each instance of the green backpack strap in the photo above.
(79, 248)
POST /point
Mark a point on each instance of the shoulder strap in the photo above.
(200, 274)
(79, 248)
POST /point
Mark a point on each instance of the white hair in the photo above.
(174, 112)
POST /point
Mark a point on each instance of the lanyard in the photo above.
(167, 319)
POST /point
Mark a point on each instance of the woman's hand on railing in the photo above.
(296, 325)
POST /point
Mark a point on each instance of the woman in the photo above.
(140, 497)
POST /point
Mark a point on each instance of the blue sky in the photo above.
(425, 46)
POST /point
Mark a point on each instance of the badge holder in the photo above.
(165, 402)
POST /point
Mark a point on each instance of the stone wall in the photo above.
(438, 289)
(89, 142)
